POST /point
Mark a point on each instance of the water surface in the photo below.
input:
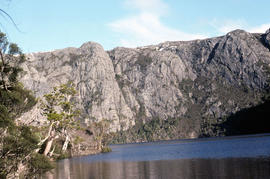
(229, 157)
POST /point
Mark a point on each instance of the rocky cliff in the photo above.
(196, 83)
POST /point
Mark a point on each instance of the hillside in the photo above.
(165, 91)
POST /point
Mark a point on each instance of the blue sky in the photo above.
(54, 24)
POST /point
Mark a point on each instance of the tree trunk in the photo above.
(2, 70)
(48, 146)
(99, 147)
(65, 145)
(50, 137)
(51, 152)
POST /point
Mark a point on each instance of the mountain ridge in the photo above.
(193, 81)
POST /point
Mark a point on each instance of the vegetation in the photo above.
(251, 120)
(17, 142)
(100, 132)
(61, 114)
(211, 97)
(211, 127)
(106, 149)
(143, 61)
(21, 150)
(153, 130)
(39, 165)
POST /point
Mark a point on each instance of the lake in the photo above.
(227, 157)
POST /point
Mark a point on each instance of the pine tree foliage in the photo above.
(17, 143)
(61, 113)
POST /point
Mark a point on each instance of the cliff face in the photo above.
(91, 70)
(195, 81)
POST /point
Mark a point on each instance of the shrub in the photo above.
(39, 164)
(106, 149)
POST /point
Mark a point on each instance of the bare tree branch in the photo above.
(4, 14)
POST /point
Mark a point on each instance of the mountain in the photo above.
(178, 89)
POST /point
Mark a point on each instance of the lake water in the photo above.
(229, 157)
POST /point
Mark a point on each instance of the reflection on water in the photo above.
(175, 159)
(184, 168)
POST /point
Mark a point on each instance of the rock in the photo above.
(190, 80)
(33, 117)
(267, 38)
(91, 70)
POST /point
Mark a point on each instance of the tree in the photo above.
(61, 114)
(17, 143)
(17, 152)
(10, 56)
(100, 129)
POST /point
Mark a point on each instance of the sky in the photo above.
(46, 25)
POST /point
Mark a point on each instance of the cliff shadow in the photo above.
(251, 120)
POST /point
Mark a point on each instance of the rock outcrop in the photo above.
(266, 38)
(194, 81)
(91, 70)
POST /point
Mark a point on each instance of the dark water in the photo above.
(230, 157)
